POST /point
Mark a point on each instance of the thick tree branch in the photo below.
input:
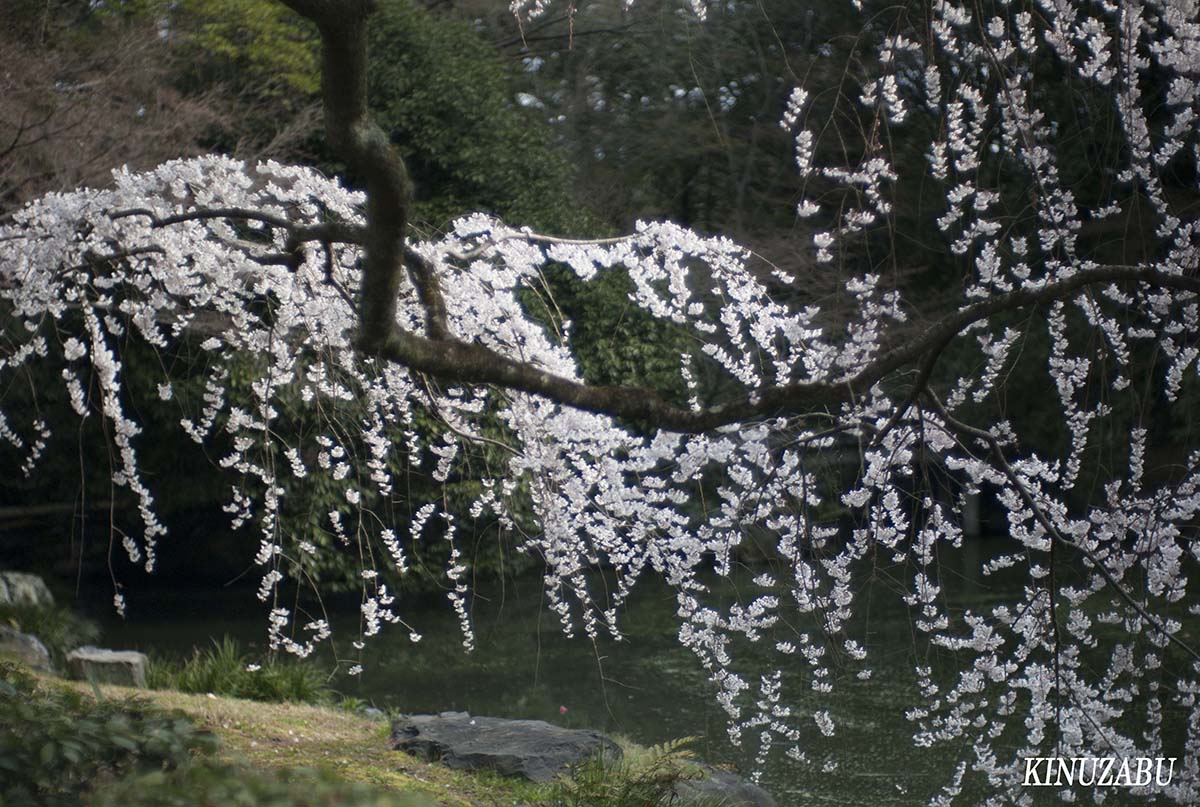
(955, 323)
(471, 363)
(240, 213)
(429, 291)
(369, 154)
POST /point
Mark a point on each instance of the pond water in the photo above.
(646, 687)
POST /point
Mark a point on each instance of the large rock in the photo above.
(25, 648)
(21, 588)
(125, 668)
(531, 749)
(721, 789)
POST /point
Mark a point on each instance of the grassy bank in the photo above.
(281, 736)
(161, 747)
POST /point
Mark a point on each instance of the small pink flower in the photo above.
(562, 710)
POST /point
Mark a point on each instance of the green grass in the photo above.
(291, 754)
(226, 669)
(279, 739)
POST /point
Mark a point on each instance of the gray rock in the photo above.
(25, 648)
(721, 789)
(21, 588)
(531, 749)
(125, 668)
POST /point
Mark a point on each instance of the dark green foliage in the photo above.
(56, 743)
(75, 469)
(207, 784)
(60, 629)
(257, 56)
(437, 87)
(61, 747)
(613, 339)
(667, 117)
(225, 669)
(261, 45)
(445, 98)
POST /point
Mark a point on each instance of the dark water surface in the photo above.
(647, 687)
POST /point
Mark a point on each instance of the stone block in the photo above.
(122, 667)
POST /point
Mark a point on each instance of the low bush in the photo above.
(57, 743)
(226, 669)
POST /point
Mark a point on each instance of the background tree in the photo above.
(82, 93)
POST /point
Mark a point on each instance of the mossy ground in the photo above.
(351, 746)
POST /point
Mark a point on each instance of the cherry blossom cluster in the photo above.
(1081, 662)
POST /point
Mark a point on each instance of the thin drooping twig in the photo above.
(924, 371)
